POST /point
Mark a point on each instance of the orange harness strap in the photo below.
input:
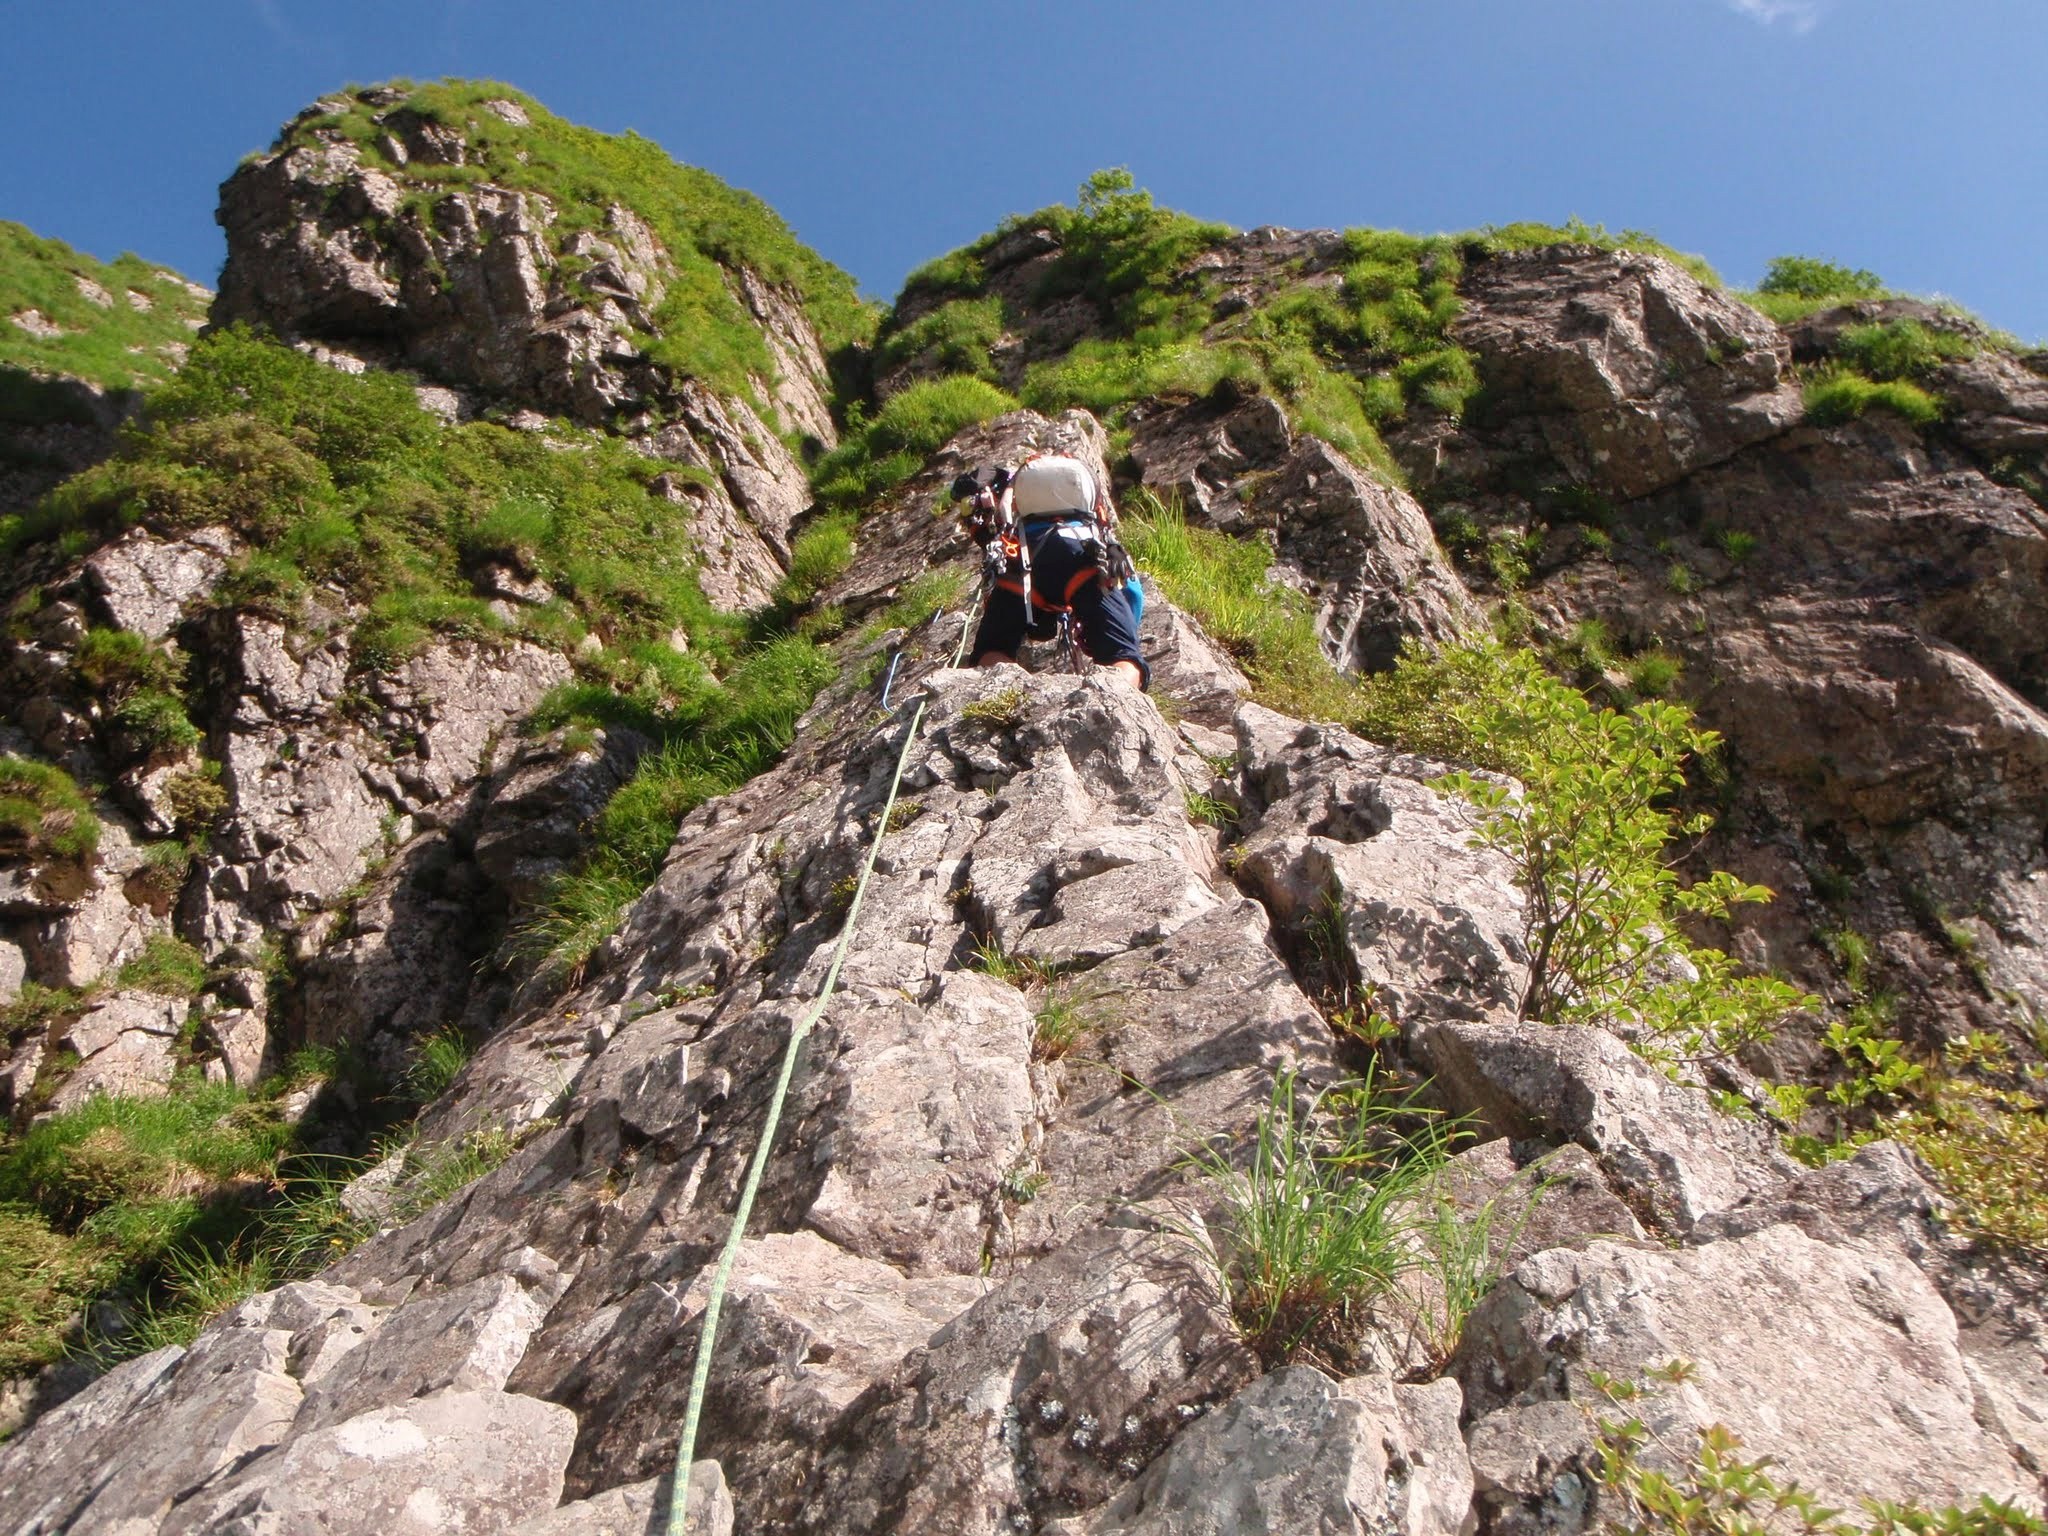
(1080, 579)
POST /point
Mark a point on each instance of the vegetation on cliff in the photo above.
(117, 324)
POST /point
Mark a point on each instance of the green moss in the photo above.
(116, 345)
(704, 330)
(167, 966)
(817, 557)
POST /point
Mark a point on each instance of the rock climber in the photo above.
(1048, 531)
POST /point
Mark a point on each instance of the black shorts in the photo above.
(1102, 613)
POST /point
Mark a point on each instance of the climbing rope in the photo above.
(679, 1494)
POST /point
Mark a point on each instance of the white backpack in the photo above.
(1043, 487)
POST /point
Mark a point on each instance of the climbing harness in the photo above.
(1013, 509)
(679, 1493)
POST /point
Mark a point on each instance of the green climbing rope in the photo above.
(679, 1494)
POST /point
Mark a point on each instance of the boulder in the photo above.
(1297, 1454)
(1839, 1363)
(147, 584)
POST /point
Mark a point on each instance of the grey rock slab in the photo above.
(1664, 1145)
(129, 1450)
(453, 1464)
(1189, 670)
(146, 583)
(13, 971)
(641, 1509)
(469, 1338)
(1297, 1454)
(1041, 1400)
(1096, 918)
(1840, 1363)
(930, 1105)
(1636, 372)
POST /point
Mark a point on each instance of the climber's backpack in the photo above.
(1055, 485)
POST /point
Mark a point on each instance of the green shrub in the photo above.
(157, 721)
(1900, 349)
(1806, 277)
(195, 797)
(437, 1060)
(1589, 835)
(44, 814)
(118, 662)
(45, 1281)
(1837, 395)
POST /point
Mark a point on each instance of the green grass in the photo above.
(817, 557)
(957, 337)
(167, 966)
(1225, 583)
(1528, 235)
(710, 743)
(702, 329)
(437, 1060)
(1900, 349)
(879, 454)
(344, 479)
(1836, 395)
(44, 814)
(1315, 1225)
(43, 275)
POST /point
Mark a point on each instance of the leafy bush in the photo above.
(1837, 395)
(1588, 835)
(44, 814)
(157, 721)
(1797, 286)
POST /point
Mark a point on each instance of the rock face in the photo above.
(1361, 550)
(985, 1288)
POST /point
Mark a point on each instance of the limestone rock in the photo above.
(453, 1462)
(146, 584)
(639, 1509)
(125, 1045)
(1296, 1452)
(1841, 1364)
(1636, 372)
(1014, 1414)
(1676, 1156)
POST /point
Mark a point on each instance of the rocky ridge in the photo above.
(981, 1292)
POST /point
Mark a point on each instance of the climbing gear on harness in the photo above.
(1014, 511)
(707, 1333)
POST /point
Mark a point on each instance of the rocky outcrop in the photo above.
(1361, 550)
(367, 256)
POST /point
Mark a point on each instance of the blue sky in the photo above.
(1907, 136)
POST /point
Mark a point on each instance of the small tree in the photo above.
(1590, 833)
